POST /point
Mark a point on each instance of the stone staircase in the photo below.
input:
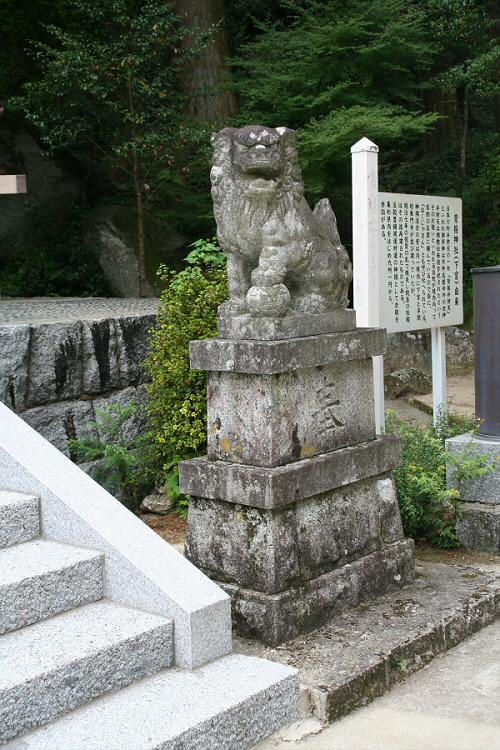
(79, 671)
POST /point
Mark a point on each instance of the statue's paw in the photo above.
(269, 301)
(269, 277)
(311, 303)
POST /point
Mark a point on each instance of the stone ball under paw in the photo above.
(270, 301)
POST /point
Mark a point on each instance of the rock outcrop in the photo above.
(111, 230)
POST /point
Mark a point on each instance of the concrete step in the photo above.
(229, 704)
(54, 666)
(19, 518)
(42, 578)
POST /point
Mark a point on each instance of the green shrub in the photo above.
(177, 395)
(122, 461)
(428, 508)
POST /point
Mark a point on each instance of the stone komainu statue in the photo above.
(282, 257)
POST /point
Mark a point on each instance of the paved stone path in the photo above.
(68, 309)
(460, 396)
(453, 704)
(409, 413)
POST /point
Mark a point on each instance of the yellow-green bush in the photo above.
(177, 395)
(429, 509)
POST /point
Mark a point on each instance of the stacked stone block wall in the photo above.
(63, 360)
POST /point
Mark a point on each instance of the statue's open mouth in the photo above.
(264, 167)
(260, 185)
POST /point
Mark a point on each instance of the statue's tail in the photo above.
(327, 225)
(323, 213)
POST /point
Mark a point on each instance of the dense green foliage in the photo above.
(420, 79)
(428, 508)
(177, 395)
(121, 462)
(57, 267)
(344, 67)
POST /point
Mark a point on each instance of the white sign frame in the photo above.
(368, 277)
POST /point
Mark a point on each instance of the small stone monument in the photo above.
(478, 527)
(294, 510)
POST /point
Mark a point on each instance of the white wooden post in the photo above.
(365, 231)
(439, 398)
(11, 184)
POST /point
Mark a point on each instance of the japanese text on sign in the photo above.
(420, 247)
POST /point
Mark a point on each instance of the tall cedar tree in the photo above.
(206, 78)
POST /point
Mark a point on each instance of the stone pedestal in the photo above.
(478, 528)
(294, 510)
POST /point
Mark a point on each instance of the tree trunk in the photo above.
(141, 247)
(139, 204)
(444, 103)
(207, 73)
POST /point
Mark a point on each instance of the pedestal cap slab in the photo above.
(286, 355)
(245, 326)
(268, 488)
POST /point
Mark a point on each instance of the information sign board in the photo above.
(420, 261)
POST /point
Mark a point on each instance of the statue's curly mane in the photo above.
(228, 179)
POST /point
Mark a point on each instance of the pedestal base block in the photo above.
(289, 568)
(479, 527)
(274, 550)
(275, 618)
(485, 489)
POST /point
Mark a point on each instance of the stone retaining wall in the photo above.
(61, 360)
(413, 349)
